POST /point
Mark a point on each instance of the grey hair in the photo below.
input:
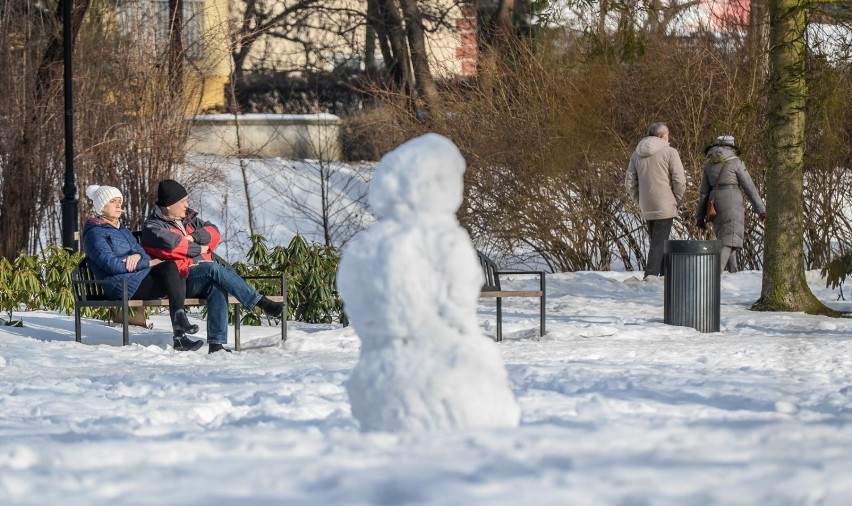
(657, 129)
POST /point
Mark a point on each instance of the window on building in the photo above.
(193, 26)
(148, 20)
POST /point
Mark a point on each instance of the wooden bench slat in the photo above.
(187, 302)
(505, 293)
(491, 288)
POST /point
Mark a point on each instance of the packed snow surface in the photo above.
(616, 408)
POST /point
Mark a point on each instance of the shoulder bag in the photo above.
(710, 211)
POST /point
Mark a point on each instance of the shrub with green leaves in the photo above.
(37, 282)
(44, 281)
(311, 271)
(57, 264)
(836, 272)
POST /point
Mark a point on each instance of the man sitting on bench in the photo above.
(175, 232)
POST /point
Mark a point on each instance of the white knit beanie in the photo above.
(101, 195)
(725, 140)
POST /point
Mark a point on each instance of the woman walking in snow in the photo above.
(724, 179)
(114, 254)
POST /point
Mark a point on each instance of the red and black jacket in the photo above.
(163, 238)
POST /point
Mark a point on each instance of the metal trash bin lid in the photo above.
(694, 247)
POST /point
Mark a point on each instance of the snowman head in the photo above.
(421, 178)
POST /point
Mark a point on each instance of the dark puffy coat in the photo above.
(163, 238)
(729, 224)
(106, 247)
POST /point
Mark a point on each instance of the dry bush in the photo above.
(31, 125)
(548, 144)
(130, 130)
(370, 134)
(701, 89)
(828, 181)
(548, 131)
(133, 125)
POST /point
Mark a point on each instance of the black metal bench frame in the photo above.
(88, 292)
(491, 288)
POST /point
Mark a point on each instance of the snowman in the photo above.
(410, 286)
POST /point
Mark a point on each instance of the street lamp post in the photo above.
(70, 204)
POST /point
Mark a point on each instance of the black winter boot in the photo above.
(214, 347)
(182, 325)
(183, 343)
(270, 308)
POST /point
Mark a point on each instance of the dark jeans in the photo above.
(214, 282)
(658, 234)
(163, 281)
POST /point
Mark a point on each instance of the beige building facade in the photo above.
(339, 39)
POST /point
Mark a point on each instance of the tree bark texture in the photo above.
(784, 285)
(502, 25)
(400, 64)
(176, 46)
(423, 81)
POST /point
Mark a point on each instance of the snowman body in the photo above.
(410, 286)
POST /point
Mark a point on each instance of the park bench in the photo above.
(491, 288)
(88, 292)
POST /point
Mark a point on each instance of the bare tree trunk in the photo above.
(370, 40)
(243, 172)
(252, 227)
(400, 64)
(375, 20)
(243, 169)
(495, 37)
(602, 35)
(784, 285)
(423, 80)
(502, 25)
(176, 46)
(242, 41)
(757, 31)
(325, 182)
(757, 23)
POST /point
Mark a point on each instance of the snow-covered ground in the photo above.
(616, 408)
(286, 199)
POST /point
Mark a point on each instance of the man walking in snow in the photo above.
(656, 182)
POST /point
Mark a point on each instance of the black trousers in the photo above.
(658, 234)
(163, 281)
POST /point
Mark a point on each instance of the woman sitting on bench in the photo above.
(115, 254)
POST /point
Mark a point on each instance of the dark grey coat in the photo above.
(729, 224)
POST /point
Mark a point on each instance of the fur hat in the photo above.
(725, 140)
(101, 195)
(169, 192)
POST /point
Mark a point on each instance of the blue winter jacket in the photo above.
(106, 246)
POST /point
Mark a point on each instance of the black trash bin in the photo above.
(692, 284)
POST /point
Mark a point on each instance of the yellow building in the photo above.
(451, 46)
(206, 64)
(207, 35)
(208, 74)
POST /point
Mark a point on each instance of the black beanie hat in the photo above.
(169, 191)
